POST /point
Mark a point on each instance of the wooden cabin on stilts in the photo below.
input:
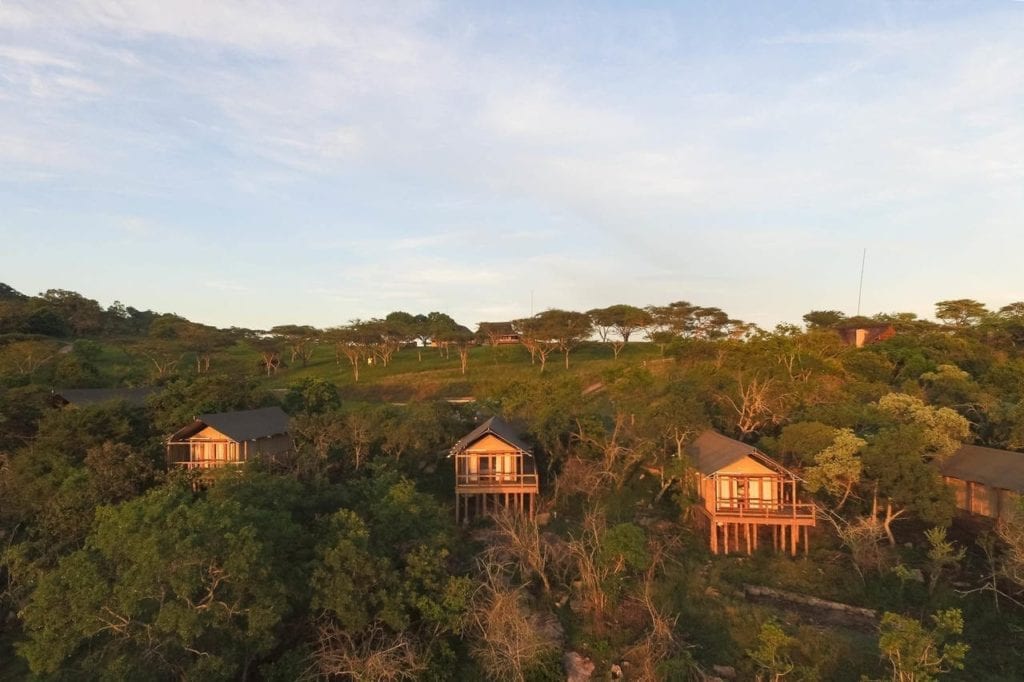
(494, 469)
(748, 500)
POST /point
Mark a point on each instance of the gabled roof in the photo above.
(712, 452)
(240, 425)
(995, 468)
(494, 426)
(95, 396)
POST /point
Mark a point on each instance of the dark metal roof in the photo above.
(494, 426)
(712, 452)
(240, 425)
(995, 468)
(94, 396)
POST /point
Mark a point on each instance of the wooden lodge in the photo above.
(986, 482)
(230, 438)
(498, 333)
(858, 337)
(747, 498)
(493, 469)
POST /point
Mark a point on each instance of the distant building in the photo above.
(230, 438)
(494, 469)
(747, 497)
(863, 335)
(498, 333)
(986, 481)
(81, 397)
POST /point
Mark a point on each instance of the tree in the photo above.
(269, 349)
(961, 312)
(823, 319)
(837, 468)
(354, 342)
(509, 639)
(311, 396)
(169, 586)
(943, 556)
(538, 339)
(26, 357)
(772, 655)
(917, 654)
(898, 459)
(299, 338)
(463, 339)
(204, 341)
(623, 319)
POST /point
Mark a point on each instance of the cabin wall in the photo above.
(211, 448)
(275, 445)
(959, 492)
(984, 500)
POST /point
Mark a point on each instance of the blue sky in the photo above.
(255, 163)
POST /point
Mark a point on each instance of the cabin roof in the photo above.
(95, 396)
(497, 327)
(995, 468)
(495, 426)
(240, 425)
(712, 452)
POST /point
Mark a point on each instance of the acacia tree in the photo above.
(353, 342)
(203, 340)
(961, 312)
(299, 338)
(624, 320)
(538, 340)
(823, 319)
(463, 339)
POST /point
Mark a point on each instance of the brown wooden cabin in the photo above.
(502, 333)
(493, 469)
(81, 397)
(859, 337)
(986, 481)
(747, 498)
(230, 438)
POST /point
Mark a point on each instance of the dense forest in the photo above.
(345, 561)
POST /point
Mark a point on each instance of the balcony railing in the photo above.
(495, 479)
(207, 463)
(744, 508)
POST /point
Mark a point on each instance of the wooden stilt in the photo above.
(794, 538)
(714, 536)
(807, 540)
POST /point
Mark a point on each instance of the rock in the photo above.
(616, 671)
(726, 672)
(577, 668)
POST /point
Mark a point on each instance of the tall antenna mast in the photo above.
(860, 289)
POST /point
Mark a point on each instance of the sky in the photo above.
(263, 162)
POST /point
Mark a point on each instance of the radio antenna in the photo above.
(860, 289)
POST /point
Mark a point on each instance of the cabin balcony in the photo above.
(494, 482)
(762, 511)
(204, 455)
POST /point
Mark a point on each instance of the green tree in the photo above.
(312, 395)
(169, 586)
(773, 653)
(823, 319)
(919, 654)
(961, 312)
